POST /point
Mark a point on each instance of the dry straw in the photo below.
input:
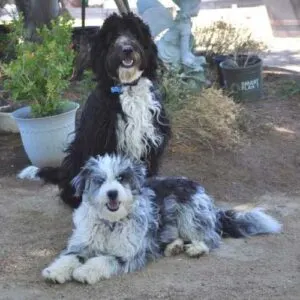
(210, 119)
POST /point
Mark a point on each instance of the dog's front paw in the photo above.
(95, 269)
(87, 274)
(56, 275)
(61, 269)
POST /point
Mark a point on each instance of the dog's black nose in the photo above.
(127, 49)
(112, 195)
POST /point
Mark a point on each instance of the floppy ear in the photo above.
(98, 53)
(100, 46)
(79, 182)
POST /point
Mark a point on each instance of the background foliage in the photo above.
(41, 70)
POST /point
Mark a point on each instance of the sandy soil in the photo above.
(35, 224)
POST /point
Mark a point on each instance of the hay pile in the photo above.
(210, 119)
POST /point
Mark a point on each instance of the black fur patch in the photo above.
(227, 225)
(81, 259)
(180, 188)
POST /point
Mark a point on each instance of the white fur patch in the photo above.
(124, 241)
(136, 136)
(262, 223)
(29, 173)
(95, 269)
(174, 248)
(196, 249)
(61, 269)
(128, 75)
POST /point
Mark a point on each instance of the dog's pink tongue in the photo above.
(113, 204)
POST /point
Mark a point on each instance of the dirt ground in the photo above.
(35, 224)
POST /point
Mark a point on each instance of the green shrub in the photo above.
(40, 72)
(4, 40)
(289, 88)
(224, 38)
(176, 89)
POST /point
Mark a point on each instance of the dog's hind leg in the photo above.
(169, 236)
(196, 249)
(174, 248)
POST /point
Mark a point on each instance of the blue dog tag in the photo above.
(116, 89)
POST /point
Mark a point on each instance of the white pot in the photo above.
(45, 139)
(7, 123)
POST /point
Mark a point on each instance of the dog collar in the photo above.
(133, 83)
(118, 89)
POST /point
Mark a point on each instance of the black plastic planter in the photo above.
(217, 60)
(245, 83)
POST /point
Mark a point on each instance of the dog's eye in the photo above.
(121, 178)
(98, 181)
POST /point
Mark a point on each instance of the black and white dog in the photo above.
(125, 221)
(124, 114)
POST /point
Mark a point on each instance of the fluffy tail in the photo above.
(48, 174)
(242, 224)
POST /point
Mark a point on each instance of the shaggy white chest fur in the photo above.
(138, 133)
(124, 240)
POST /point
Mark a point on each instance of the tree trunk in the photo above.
(123, 6)
(37, 13)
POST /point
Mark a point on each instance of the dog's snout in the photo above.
(112, 195)
(127, 49)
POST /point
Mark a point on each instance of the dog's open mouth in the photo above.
(113, 205)
(127, 62)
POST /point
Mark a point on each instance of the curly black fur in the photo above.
(96, 133)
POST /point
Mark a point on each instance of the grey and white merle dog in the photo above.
(125, 221)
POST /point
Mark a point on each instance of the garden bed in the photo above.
(265, 143)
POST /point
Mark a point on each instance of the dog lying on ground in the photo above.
(124, 114)
(124, 221)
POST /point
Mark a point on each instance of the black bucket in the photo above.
(245, 83)
(217, 60)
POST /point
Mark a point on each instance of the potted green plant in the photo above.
(39, 75)
(235, 56)
(242, 70)
(243, 76)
